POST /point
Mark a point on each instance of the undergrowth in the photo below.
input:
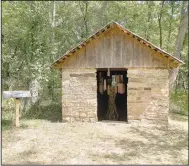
(40, 110)
(179, 102)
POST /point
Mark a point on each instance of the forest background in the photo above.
(36, 33)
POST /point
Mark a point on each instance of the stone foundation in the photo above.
(79, 98)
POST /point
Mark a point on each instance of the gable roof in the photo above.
(126, 31)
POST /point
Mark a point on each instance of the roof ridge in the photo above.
(125, 30)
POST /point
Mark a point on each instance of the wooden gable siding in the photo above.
(115, 49)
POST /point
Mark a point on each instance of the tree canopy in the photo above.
(36, 33)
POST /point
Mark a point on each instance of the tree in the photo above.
(36, 33)
(159, 22)
(179, 41)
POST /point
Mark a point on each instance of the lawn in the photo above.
(47, 142)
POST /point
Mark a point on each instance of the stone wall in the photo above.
(79, 98)
(148, 94)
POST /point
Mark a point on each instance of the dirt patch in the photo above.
(44, 142)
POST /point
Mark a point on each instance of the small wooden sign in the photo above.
(17, 95)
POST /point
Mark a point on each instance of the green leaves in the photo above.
(31, 43)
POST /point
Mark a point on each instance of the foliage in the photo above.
(8, 107)
(50, 112)
(179, 102)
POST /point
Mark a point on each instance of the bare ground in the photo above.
(44, 142)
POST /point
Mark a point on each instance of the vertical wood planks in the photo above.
(127, 53)
(81, 60)
(115, 49)
(112, 49)
(107, 51)
(136, 54)
(71, 62)
(101, 52)
(147, 57)
(91, 55)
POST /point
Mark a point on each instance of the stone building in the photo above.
(115, 75)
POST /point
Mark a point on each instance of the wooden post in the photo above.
(17, 112)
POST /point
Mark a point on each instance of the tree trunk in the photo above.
(102, 14)
(85, 18)
(159, 22)
(53, 43)
(170, 24)
(53, 27)
(179, 42)
(150, 4)
(84, 12)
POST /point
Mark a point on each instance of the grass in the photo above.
(178, 117)
(179, 102)
(6, 124)
(8, 114)
(50, 111)
(44, 142)
(125, 156)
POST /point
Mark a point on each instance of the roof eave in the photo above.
(83, 43)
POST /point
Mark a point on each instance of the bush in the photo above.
(8, 113)
(179, 102)
(47, 110)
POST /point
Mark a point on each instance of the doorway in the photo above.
(112, 94)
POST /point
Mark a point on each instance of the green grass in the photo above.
(8, 114)
(179, 102)
(6, 124)
(51, 112)
(48, 110)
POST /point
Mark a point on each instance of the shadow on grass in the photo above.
(119, 158)
(51, 112)
(178, 117)
(9, 124)
(25, 157)
(6, 124)
(152, 143)
(157, 143)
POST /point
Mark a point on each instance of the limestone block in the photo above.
(138, 79)
(67, 119)
(77, 97)
(77, 119)
(134, 88)
(86, 120)
(137, 84)
(66, 110)
(132, 93)
(65, 83)
(131, 98)
(83, 114)
(93, 119)
(65, 76)
(92, 114)
(72, 119)
(75, 111)
(144, 93)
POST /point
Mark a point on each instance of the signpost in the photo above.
(17, 95)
